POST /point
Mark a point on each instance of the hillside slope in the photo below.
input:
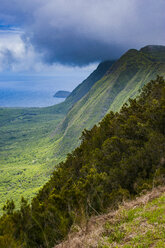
(26, 147)
(82, 88)
(156, 52)
(29, 146)
(26, 157)
(122, 81)
(137, 223)
(116, 160)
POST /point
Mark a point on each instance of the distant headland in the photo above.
(62, 94)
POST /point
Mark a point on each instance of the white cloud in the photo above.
(18, 55)
(20, 63)
(15, 54)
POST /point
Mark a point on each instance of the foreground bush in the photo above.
(117, 159)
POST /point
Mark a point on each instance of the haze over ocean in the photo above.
(35, 90)
(67, 39)
(28, 92)
(16, 98)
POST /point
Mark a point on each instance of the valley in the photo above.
(34, 140)
(82, 124)
(117, 160)
(26, 151)
(27, 144)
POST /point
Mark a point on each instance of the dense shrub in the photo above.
(117, 159)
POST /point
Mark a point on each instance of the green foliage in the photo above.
(142, 226)
(9, 207)
(115, 160)
(34, 140)
(27, 143)
(26, 151)
(122, 81)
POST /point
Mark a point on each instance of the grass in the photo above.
(26, 151)
(29, 145)
(124, 80)
(142, 226)
(138, 223)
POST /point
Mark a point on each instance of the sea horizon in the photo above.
(27, 98)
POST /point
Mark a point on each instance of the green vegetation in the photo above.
(140, 227)
(26, 151)
(117, 159)
(123, 80)
(154, 51)
(83, 88)
(34, 140)
(27, 148)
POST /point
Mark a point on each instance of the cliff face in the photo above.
(122, 81)
(116, 160)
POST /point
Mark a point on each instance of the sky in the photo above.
(68, 38)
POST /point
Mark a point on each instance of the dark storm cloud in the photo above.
(78, 32)
(73, 49)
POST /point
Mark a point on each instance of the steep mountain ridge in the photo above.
(26, 147)
(123, 80)
(82, 88)
(117, 160)
(30, 148)
(87, 84)
(155, 51)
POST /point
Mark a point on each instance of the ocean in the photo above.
(30, 91)
(27, 98)
(37, 90)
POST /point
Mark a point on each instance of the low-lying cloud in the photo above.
(79, 32)
(15, 53)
